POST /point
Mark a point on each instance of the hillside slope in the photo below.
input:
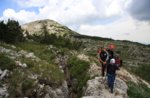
(60, 69)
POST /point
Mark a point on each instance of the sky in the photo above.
(116, 19)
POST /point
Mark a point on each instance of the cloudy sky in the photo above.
(117, 19)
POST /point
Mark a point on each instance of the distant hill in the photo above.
(36, 27)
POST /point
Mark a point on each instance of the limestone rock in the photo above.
(97, 88)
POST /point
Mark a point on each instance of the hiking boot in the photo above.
(111, 91)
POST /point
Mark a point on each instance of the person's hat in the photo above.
(112, 61)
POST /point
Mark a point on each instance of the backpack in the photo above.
(118, 61)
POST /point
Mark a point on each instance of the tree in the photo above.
(2, 30)
(11, 32)
(45, 35)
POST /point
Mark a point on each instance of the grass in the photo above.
(19, 83)
(6, 63)
(138, 91)
(46, 65)
(50, 72)
(142, 71)
(40, 50)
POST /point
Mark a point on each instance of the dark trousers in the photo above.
(103, 69)
(110, 81)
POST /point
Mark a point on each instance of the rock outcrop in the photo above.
(97, 88)
(60, 92)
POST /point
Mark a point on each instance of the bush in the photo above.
(20, 84)
(6, 63)
(138, 91)
(28, 84)
(142, 71)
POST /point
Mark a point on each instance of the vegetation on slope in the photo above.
(135, 58)
(6, 63)
(19, 81)
(138, 91)
(78, 70)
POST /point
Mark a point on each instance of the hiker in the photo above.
(110, 51)
(111, 73)
(103, 58)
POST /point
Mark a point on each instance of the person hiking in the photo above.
(111, 73)
(103, 58)
(110, 51)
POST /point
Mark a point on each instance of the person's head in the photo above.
(112, 61)
(111, 46)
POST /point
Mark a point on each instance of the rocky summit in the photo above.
(53, 27)
(47, 64)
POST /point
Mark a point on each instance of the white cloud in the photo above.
(124, 29)
(22, 16)
(76, 11)
(69, 11)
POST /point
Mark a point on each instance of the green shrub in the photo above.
(78, 70)
(6, 63)
(20, 83)
(50, 72)
(28, 84)
(143, 71)
(138, 91)
(15, 80)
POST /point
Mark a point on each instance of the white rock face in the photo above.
(83, 57)
(97, 88)
(3, 92)
(4, 73)
(12, 54)
(94, 70)
(18, 63)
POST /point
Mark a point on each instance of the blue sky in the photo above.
(117, 19)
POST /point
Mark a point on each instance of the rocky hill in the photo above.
(32, 69)
(53, 27)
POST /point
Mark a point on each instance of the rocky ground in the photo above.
(96, 86)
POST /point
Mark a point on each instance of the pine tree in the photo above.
(11, 32)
